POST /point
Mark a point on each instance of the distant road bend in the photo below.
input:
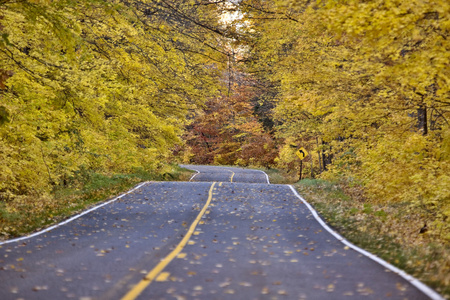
(226, 234)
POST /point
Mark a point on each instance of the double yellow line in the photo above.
(137, 289)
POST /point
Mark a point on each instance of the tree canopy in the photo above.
(117, 85)
(99, 85)
(366, 84)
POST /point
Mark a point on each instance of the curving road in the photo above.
(227, 174)
(226, 234)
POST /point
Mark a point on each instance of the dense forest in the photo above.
(112, 86)
(98, 86)
(363, 86)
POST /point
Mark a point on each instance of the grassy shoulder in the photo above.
(277, 176)
(26, 215)
(390, 231)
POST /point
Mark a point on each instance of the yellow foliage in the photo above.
(96, 86)
(369, 80)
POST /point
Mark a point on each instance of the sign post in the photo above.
(301, 153)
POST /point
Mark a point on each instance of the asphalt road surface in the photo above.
(226, 234)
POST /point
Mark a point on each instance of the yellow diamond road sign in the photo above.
(301, 153)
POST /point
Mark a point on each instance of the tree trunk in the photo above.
(422, 122)
(326, 158)
(318, 153)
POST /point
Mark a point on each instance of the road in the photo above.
(226, 234)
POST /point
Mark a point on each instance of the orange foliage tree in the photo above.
(229, 130)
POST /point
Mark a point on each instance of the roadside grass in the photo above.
(390, 231)
(33, 213)
(277, 176)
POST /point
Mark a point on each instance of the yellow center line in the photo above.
(138, 288)
(232, 175)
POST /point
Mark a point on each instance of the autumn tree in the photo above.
(366, 84)
(99, 86)
(228, 130)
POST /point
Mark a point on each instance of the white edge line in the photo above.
(70, 219)
(267, 176)
(198, 172)
(415, 282)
